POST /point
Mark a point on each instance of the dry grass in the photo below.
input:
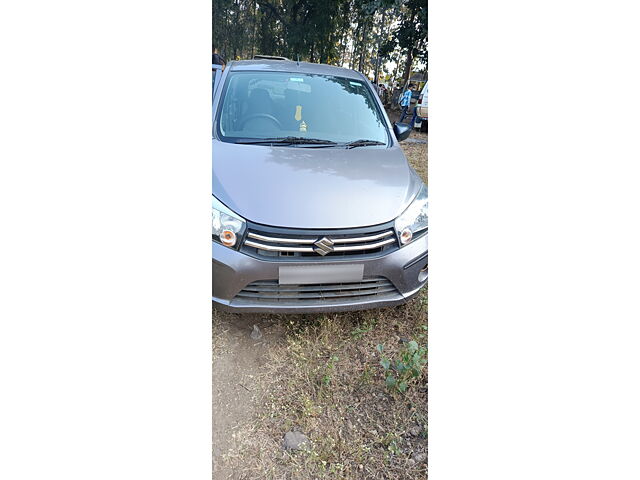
(324, 378)
(417, 155)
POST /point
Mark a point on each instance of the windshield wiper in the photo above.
(363, 143)
(285, 141)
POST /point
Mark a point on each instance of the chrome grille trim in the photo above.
(368, 246)
(279, 240)
(272, 248)
(314, 243)
(368, 238)
(352, 248)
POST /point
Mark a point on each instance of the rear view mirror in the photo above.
(402, 131)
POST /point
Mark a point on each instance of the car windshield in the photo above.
(274, 105)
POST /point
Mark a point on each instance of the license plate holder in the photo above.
(312, 274)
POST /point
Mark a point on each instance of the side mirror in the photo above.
(402, 131)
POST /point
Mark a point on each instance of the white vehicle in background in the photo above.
(422, 110)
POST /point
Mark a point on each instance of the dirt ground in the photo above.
(237, 360)
(319, 374)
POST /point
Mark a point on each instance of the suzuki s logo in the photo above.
(323, 246)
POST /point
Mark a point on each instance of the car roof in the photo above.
(293, 67)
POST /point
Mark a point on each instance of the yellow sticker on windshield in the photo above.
(298, 115)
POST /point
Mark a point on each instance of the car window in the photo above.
(278, 104)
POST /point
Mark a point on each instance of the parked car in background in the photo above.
(315, 207)
(422, 109)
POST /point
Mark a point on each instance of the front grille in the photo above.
(272, 291)
(319, 244)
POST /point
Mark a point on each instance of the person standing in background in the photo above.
(382, 93)
(405, 103)
(217, 59)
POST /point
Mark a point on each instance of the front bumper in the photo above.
(234, 270)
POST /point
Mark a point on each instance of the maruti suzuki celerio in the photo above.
(315, 207)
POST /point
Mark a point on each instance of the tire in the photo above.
(425, 126)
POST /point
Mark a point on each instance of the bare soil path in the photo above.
(237, 362)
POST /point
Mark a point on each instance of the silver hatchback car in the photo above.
(315, 207)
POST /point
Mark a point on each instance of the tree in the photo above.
(354, 32)
(411, 35)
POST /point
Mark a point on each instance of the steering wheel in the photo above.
(261, 115)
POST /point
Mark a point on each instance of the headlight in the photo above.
(227, 227)
(415, 219)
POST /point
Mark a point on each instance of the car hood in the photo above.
(300, 187)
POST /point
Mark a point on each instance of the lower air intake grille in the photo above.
(272, 291)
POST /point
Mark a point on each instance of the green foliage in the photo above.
(402, 370)
(392, 442)
(358, 332)
(353, 32)
(329, 369)
(367, 375)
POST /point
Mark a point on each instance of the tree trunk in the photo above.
(362, 48)
(409, 63)
(407, 66)
(380, 36)
(356, 38)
